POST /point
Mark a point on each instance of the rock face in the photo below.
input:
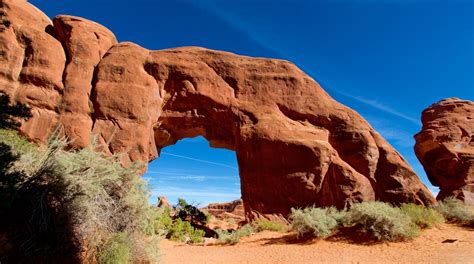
(445, 147)
(163, 202)
(234, 209)
(296, 146)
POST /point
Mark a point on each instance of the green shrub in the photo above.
(82, 201)
(175, 229)
(455, 211)
(208, 216)
(227, 237)
(233, 237)
(196, 236)
(162, 221)
(382, 221)
(116, 250)
(191, 213)
(422, 216)
(18, 144)
(262, 224)
(321, 222)
(246, 230)
(183, 231)
(231, 221)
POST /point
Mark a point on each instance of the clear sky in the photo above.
(386, 59)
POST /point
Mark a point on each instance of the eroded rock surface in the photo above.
(296, 146)
(445, 147)
(229, 210)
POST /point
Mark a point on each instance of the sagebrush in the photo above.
(321, 222)
(382, 221)
(455, 211)
(422, 216)
(233, 237)
(82, 202)
(262, 224)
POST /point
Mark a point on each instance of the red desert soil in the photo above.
(272, 247)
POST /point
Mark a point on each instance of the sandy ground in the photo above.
(271, 247)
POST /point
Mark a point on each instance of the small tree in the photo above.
(191, 213)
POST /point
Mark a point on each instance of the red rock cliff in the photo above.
(296, 146)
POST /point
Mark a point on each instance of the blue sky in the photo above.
(386, 59)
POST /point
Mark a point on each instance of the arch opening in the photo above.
(193, 170)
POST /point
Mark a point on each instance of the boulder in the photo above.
(445, 148)
(296, 146)
(163, 202)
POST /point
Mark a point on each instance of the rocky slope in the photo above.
(296, 146)
(445, 147)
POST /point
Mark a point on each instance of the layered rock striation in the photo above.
(295, 145)
(233, 209)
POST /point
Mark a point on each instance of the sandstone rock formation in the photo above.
(234, 210)
(296, 146)
(163, 202)
(445, 147)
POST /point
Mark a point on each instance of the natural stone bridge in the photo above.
(295, 145)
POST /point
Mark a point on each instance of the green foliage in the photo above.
(233, 237)
(455, 211)
(116, 250)
(382, 221)
(208, 215)
(422, 216)
(77, 200)
(264, 224)
(188, 212)
(8, 177)
(231, 221)
(162, 221)
(320, 221)
(177, 229)
(181, 226)
(183, 231)
(18, 144)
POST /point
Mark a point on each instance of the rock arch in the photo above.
(296, 146)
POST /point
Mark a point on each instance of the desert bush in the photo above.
(18, 144)
(231, 221)
(189, 212)
(262, 224)
(115, 250)
(422, 216)
(381, 221)
(319, 221)
(183, 231)
(455, 211)
(162, 221)
(177, 229)
(80, 199)
(233, 237)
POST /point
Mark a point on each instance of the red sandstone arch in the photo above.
(296, 146)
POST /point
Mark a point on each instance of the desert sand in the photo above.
(442, 244)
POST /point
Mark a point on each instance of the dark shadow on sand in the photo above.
(348, 235)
